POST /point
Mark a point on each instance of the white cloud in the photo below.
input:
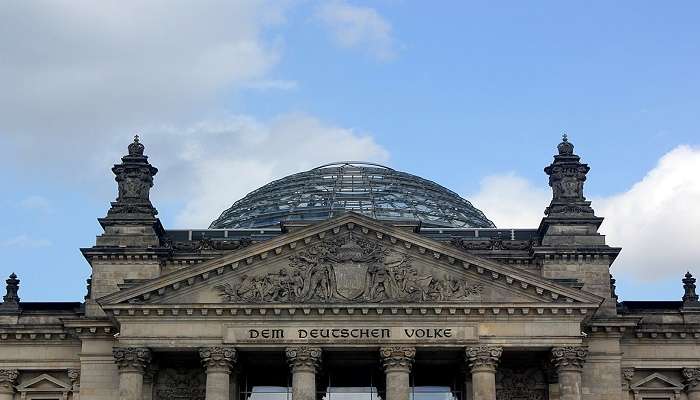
(273, 84)
(358, 27)
(656, 221)
(223, 159)
(75, 72)
(24, 241)
(37, 203)
(511, 201)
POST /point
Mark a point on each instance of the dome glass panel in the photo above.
(374, 190)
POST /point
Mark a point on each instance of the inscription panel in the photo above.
(353, 334)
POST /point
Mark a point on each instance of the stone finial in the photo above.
(218, 358)
(303, 358)
(689, 288)
(10, 301)
(134, 176)
(136, 148)
(566, 177)
(691, 378)
(132, 359)
(569, 357)
(8, 378)
(11, 295)
(397, 357)
(483, 358)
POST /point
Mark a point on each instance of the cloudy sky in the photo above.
(230, 95)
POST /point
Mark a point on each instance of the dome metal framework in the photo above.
(371, 189)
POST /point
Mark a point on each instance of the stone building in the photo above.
(351, 281)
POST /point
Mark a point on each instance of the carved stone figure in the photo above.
(520, 384)
(180, 384)
(347, 269)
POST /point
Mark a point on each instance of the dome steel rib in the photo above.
(371, 189)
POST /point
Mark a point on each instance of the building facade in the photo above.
(351, 281)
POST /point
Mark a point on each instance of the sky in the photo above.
(228, 95)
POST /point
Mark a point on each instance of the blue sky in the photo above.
(227, 96)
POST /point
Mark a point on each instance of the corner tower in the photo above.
(572, 249)
(130, 249)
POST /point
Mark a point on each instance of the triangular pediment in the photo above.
(44, 382)
(656, 381)
(351, 259)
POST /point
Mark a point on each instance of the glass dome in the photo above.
(366, 188)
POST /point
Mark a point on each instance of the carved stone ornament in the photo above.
(689, 294)
(627, 375)
(8, 377)
(691, 378)
(134, 178)
(303, 358)
(348, 269)
(397, 357)
(132, 359)
(569, 358)
(492, 244)
(483, 358)
(180, 384)
(74, 376)
(207, 244)
(566, 177)
(218, 358)
(520, 384)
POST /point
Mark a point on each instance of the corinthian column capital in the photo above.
(303, 358)
(397, 358)
(569, 358)
(691, 378)
(483, 358)
(7, 379)
(132, 359)
(220, 359)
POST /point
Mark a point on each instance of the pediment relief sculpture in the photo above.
(349, 269)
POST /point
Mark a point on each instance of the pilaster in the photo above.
(132, 363)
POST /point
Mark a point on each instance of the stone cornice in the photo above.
(87, 328)
(575, 311)
(524, 282)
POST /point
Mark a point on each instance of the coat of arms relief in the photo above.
(349, 269)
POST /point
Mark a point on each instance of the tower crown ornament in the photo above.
(136, 148)
(10, 301)
(690, 297)
(566, 178)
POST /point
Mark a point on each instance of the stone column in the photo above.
(218, 362)
(132, 363)
(691, 378)
(569, 364)
(8, 378)
(304, 362)
(482, 362)
(397, 362)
